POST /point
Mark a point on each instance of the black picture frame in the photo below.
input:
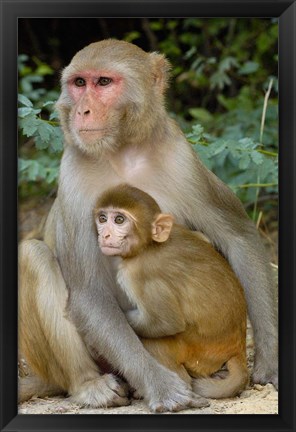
(11, 10)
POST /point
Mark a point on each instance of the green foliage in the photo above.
(240, 161)
(38, 163)
(30, 77)
(233, 147)
(46, 133)
(41, 168)
(43, 164)
(217, 56)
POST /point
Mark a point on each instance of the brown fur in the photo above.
(179, 284)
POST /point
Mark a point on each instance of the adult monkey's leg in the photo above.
(50, 342)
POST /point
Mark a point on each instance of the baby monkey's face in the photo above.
(116, 231)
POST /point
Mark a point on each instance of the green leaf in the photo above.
(190, 52)
(257, 157)
(22, 58)
(45, 131)
(131, 36)
(54, 116)
(35, 78)
(40, 143)
(44, 69)
(198, 64)
(248, 68)
(217, 147)
(244, 161)
(48, 103)
(52, 175)
(156, 25)
(23, 164)
(197, 133)
(200, 114)
(266, 169)
(29, 125)
(56, 141)
(172, 24)
(227, 63)
(233, 132)
(33, 170)
(203, 154)
(228, 103)
(247, 143)
(263, 42)
(42, 171)
(220, 80)
(24, 111)
(24, 100)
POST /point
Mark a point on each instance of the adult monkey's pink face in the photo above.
(106, 90)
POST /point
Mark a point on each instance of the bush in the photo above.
(40, 137)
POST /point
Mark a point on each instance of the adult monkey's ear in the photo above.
(160, 69)
(161, 227)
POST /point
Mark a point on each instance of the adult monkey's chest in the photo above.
(146, 170)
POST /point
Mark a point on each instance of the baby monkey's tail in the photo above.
(234, 382)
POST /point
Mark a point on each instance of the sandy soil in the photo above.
(256, 399)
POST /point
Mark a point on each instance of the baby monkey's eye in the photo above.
(119, 219)
(102, 218)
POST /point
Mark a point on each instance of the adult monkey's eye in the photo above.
(80, 82)
(102, 218)
(103, 81)
(119, 219)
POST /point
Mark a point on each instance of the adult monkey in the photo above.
(117, 130)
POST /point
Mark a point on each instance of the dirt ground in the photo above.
(256, 399)
(259, 400)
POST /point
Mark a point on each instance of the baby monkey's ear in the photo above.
(161, 227)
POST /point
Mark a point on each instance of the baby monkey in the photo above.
(185, 301)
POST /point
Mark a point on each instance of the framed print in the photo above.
(224, 73)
